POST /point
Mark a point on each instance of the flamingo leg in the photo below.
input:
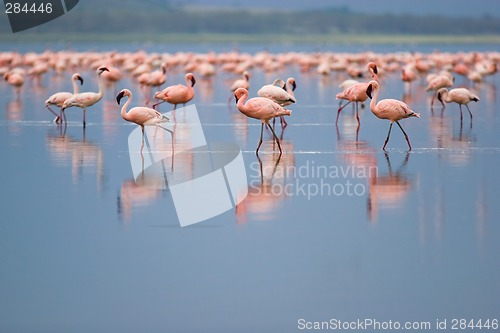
(154, 105)
(58, 117)
(84, 112)
(142, 142)
(276, 139)
(260, 141)
(470, 113)
(64, 117)
(356, 112)
(388, 135)
(283, 121)
(460, 105)
(406, 135)
(338, 111)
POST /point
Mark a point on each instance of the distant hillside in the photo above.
(160, 17)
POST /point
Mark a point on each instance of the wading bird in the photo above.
(357, 92)
(461, 96)
(140, 115)
(279, 92)
(178, 93)
(390, 109)
(85, 99)
(260, 108)
(59, 98)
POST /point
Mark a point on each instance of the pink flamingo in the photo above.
(390, 109)
(178, 93)
(438, 81)
(59, 98)
(15, 79)
(357, 92)
(260, 108)
(281, 93)
(85, 99)
(461, 96)
(140, 115)
(152, 79)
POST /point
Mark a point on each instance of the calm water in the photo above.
(335, 229)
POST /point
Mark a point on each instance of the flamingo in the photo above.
(85, 99)
(281, 93)
(357, 92)
(390, 109)
(436, 82)
(260, 108)
(459, 96)
(59, 98)
(140, 115)
(152, 79)
(178, 93)
(15, 79)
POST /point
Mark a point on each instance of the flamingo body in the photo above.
(391, 109)
(260, 108)
(178, 93)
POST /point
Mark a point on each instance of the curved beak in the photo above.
(294, 85)
(369, 91)
(193, 81)
(119, 97)
(79, 78)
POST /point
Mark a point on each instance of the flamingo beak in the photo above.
(294, 85)
(439, 97)
(79, 78)
(236, 98)
(119, 97)
(193, 81)
(375, 69)
(369, 91)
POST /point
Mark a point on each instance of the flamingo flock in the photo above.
(360, 76)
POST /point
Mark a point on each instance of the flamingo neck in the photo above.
(76, 90)
(373, 103)
(241, 102)
(100, 83)
(123, 112)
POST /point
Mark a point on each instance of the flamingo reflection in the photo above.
(81, 154)
(266, 192)
(388, 191)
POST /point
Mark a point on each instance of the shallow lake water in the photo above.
(335, 229)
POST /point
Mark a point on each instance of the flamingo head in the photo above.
(292, 82)
(373, 66)
(246, 75)
(190, 77)
(124, 92)
(79, 78)
(369, 91)
(240, 92)
(102, 69)
(440, 93)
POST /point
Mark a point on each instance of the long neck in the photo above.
(75, 87)
(241, 103)
(123, 112)
(100, 82)
(373, 103)
(444, 96)
(289, 89)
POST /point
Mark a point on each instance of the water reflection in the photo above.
(388, 191)
(79, 153)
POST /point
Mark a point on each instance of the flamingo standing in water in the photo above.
(357, 92)
(85, 99)
(59, 98)
(243, 82)
(15, 79)
(140, 115)
(390, 109)
(279, 92)
(260, 108)
(461, 96)
(178, 93)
